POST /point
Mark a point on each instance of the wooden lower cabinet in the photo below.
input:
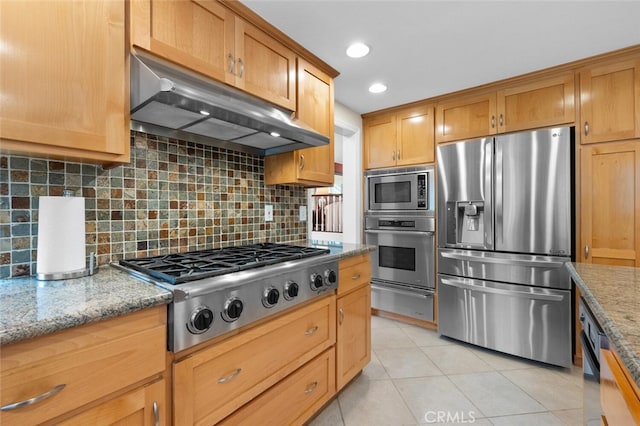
(295, 399)
(619, 395)
(610, 203)
(214, 382)
(86, 365)
(353, 340)
(144, 406)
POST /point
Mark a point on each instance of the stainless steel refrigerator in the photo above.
(504, 233)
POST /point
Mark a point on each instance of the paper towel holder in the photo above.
(92, 264)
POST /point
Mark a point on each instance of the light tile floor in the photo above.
(415, 376)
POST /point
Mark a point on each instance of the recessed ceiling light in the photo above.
(275, 134)
(357, 50)
(203, 112)
(377, 88)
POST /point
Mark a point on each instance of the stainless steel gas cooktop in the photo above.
(218, 290)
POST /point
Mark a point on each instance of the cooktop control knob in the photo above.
(232, 310)
(316, 281)
(330, 276)
(201, 320)
(291, 290)
(270, 297)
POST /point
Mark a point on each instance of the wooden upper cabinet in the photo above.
(610, 204)
(314, 109)
(65, 87)
(415, 136)
(195, 34)
(400, 138)
(466, 118)
(207, 37)
(610, 102)
(380, 141)
(542, 103)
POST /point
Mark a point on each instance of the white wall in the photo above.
(348, 142)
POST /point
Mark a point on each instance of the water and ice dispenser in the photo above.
(465, 223)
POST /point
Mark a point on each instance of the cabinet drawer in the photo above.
(212, 383)
(354, 272)
(293, 400)
(91, 361)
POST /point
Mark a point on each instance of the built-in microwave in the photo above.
(409, 188)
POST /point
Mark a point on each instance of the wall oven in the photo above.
(400, 222)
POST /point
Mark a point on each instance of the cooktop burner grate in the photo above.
(194, 265)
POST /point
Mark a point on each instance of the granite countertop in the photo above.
(31, 308)
(613, 295)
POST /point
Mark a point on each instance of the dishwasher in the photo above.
(592, 339)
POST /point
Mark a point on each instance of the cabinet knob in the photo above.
(241, 70)
(586, 251)
(341, 316)
(501, 120)
(33, 400)
(301, 161)
(230, 376)
(493, 121)
(393, 155)
(398, 154)
(156, 414)
(586, 128)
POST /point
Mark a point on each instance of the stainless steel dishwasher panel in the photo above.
(530, 322)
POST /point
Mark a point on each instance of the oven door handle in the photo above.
(425, 294)
(500, 291)
(384, 231)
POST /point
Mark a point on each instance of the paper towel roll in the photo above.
(61, 235)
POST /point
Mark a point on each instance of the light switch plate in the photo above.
(268, 213)
(303, 213)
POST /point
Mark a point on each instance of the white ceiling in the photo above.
(425, 48)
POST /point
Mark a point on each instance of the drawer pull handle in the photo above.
(156, 414)
(33, 400)
(355, 277)
(230, 377)
(341, 316)
(311, 331)
(311, 388)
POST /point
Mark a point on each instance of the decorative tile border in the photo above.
(174, 196)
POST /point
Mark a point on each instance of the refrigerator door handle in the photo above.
(504, 261)
(499, 194)
(523, 294)
(488, 196)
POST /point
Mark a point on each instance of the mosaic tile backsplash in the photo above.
(174, 196)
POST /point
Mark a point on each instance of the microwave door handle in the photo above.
(500, 291)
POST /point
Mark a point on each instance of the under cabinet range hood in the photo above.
(169, 101)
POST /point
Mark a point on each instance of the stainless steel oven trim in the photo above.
(398, 230)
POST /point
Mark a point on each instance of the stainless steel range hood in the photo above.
(173, 102)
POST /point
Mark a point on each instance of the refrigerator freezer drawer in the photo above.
(530, 322)
(540, 271)
(401, 300)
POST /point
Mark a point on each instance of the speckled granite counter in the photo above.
(613, 295)
(31, 308)
(342, 250)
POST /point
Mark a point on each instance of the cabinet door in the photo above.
(197, 34)
(619, 396)
(610, 102)
(610, 203)
(144, 406)
(380, 142)
(64, 85)
(415, 136)
(315, 109)
(353, 340)
(265, 67)
(466, 118)
(542, 103)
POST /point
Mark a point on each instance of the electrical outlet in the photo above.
(303, 214)
(268, 213)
